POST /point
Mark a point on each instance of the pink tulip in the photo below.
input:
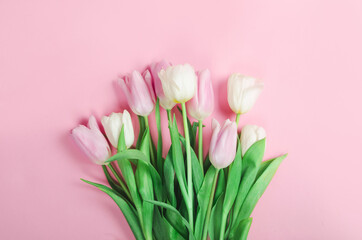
(139, 92)
(202, 104)
(223, 144)
(155, 68)
(92, 142)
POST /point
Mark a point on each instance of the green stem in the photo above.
(209, 206)
(153, 161)
(169, 116)
(223, 225)
(119, 180)
(201, 159)
(189, 168)
(237, 119)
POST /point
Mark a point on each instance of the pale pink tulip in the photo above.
(139, 92)
(155, 68)
(223, 144)
(202, 104)
(91, 140)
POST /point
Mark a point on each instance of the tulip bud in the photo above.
(223, 144)
(243, 92)
(92, 141)
(113, 125)
(202, 104)
(249, 135)
(139, 92)
(155, 68)
(178, 82)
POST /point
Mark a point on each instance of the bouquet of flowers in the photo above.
(181, 195)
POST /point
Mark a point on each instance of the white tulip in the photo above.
(113, 126)
(178, 82)
(249, 135)
(243, 92)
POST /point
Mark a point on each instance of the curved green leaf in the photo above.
(259, 187)
(257, 190)
(159, 137)
(128, 174)
(233, 181)
(175, 221)
(135, 156)
(169, 207)
(127, 210)
(169, 176)
(142, 125)
(214, 225)
(242, 230)
(203, 200)
(177, 158)
(160, 226)
(221, 184)
(115, 186)
(251, 163)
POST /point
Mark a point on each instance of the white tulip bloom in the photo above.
(249, 135)
(178, 82)
(243, 92)
(113, 126)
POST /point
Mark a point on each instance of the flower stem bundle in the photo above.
(183, 195)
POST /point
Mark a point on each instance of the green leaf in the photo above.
(142, 125)
(203, 200)
(160, 227)
(233, 181)
(169, 207)
(192, 133)
(259, 187)
(221, 185)
(175, 220)
(251, 163)
(145, 144)
(169, 175)
(197, 173)
(242, 230)
(263, 166)
(128, 174)
(257, 190)
(121, 141)
(207, 163)
(194, 128)
(159, 137)
(145, 188)
(177, 158)
(136, 156)
(115, 186)
(214, 225)
(127, 210)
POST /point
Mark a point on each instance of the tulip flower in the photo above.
(223, 144)
(155, 68)
(178, 82)
(91, 140)
(112, 125)
(249, 135)
(243, 92)
(139, 92)
(202, 104)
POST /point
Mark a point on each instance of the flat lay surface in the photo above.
(59, 62)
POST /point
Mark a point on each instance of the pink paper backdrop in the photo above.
(58, 64)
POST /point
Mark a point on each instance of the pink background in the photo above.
(58, 64)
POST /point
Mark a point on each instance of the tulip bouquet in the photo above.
(181, 195)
